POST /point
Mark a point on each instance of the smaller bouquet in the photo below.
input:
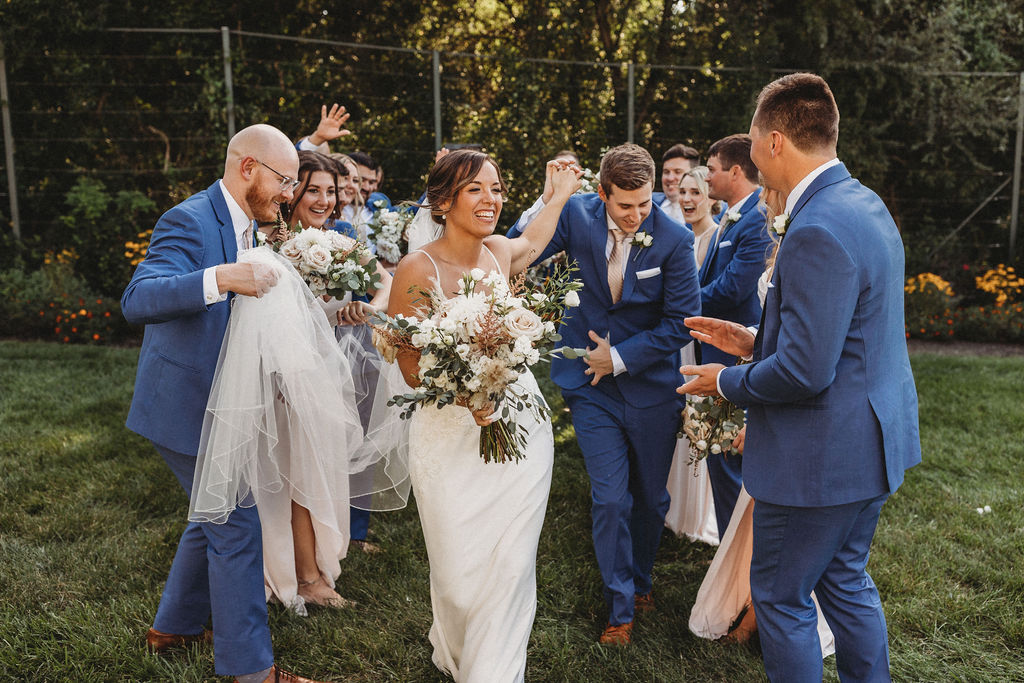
(589, 182)
(710, 424)
(474, 346)
(389, 233)
(330, 263)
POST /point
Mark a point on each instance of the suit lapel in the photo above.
(635, 256)
(598, 244)
(227, 228)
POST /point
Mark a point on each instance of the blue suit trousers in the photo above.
(628, 453)
(824, 549)
(218, 570)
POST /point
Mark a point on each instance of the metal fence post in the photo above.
(436, 60)
(1018, 149)
(229, 88)
(12, 185)
(630, 100)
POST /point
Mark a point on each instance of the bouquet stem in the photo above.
(500, 442)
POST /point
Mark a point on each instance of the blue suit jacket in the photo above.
(646, 325)
(832, 407)
(730, 271)
(183, 335)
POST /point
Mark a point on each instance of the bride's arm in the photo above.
(413, 274)
(564, 181)
(357, 312)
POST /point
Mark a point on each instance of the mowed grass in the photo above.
(90, 516)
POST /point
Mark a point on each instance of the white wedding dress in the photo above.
(481, 524)
(725, 590)
(282, 424)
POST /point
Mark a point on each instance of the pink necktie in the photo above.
(615, 259)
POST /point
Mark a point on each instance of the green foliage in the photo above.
(97, 226)
(52, 303)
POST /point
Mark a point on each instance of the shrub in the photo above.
(928, 300)
(53, 304)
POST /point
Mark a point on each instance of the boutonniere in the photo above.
(730, 218)
(261, 238)
(780, 224)
(378, 204)
(640, 240)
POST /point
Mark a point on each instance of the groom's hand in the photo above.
(599, 359)
(250, 279)
(730, 337)
(706, 381)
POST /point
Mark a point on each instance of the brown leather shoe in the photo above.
(159, 642)
(620, 634)
(643, 603)
(278, 675)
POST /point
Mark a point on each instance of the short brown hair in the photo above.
(734, 150)
(450, 174)
(682, 151)
(628, 167)
(801, 107)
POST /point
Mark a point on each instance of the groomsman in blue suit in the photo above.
(640, 283)
(677, 160)
(728, 281)
(831, 403)
(182, 293)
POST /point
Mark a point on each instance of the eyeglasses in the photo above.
(286, 182)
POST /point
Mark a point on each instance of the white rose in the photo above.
(701, 445)
(779, 224)
(648, 240)
(716, 449)
(522, 322)
(477, 274)
(732, 216)
(291, 251)
(572, 299)
(317, 284)
(318, 258)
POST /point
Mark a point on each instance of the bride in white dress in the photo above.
(481, 521)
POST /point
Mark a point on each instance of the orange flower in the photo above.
(95, 337)
(56, 330)
(107, 314)
(74, 315)
(82, 312)
(74, 329)
(58, 318)
(66, 340)
(99, 301)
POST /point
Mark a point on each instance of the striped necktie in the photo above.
(615, 259)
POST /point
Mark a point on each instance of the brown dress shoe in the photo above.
(643, 603)
(159, 642)
(620, 634)
(278, 675)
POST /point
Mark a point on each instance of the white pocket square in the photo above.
(727, 243)
(771, 286)
(650, 272)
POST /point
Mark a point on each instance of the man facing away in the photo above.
(181, 292)
(830, 398)
(640, 282)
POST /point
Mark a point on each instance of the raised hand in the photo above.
(330, 126)
(730, 337)
(550, 168)
(563, 180)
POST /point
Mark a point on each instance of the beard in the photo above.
(262, 205)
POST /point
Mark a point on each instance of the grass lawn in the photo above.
(90, 516)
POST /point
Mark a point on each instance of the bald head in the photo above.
(263, 142)
(259, 167)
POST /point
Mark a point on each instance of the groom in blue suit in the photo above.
(640, 283)
(182, 293)
(728, 281)
(831, 403)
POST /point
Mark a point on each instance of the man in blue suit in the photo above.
(677, 160)
(728, 281)
(640, 283)
(182, 292)
(831, 403)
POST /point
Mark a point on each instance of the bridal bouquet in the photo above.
(589, 182)
(474, 345)
(389, 233)
(710, 424)
(329, 262)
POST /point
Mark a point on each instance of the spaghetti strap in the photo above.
(493, 258)
(437, 271)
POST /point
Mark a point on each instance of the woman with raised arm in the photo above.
(481, 521)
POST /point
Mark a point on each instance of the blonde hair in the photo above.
(700, 176)
(774, 204)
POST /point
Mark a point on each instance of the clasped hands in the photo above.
(562, 178)
(730, 337)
